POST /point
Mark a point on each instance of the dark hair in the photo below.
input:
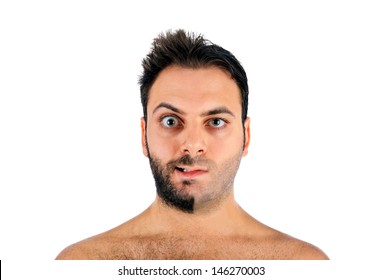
(187, 49)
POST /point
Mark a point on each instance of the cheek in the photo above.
(162, 147)
(222, 148)
(225, 148)
(228, 139)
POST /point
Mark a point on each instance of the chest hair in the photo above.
(185, 248)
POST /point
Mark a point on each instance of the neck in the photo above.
(220, 219)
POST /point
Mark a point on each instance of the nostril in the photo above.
(193, 148)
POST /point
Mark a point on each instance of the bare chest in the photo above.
(175, 248)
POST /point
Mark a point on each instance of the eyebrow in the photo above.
(168, 106)
(218, 110)
(215, 111)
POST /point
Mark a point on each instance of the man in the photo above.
(195, 130)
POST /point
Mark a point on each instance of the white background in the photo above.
(71, 164)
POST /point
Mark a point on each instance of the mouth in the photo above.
(190, 171)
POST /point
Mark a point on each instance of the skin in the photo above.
(195, 112)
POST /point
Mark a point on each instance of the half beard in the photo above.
(166, 190)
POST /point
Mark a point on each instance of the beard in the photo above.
(165, 188)
(177, 196)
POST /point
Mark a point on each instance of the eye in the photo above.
(217, 123)
(169, 121)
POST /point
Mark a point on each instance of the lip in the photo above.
(190, 172)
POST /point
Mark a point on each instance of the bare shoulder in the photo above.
(307, 251)
(83, 250)
(105, 245)
(292, 248)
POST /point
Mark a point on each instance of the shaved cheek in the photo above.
(161, 146)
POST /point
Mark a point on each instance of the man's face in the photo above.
(194, 136)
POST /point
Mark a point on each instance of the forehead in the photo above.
(195, 89)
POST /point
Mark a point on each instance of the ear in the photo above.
(246, 128)
(144, 132)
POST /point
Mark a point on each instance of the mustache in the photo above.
(188, 160)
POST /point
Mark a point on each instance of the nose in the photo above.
(193, 142)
